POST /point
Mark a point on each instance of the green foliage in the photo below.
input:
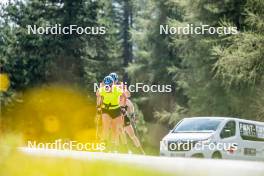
(213, 75)
(140, 123)
(79, 60)
(32, 60)
(242, 61)
(171, 117)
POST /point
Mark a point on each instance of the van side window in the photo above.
(229, 130)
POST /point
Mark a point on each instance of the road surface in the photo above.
(179, 166)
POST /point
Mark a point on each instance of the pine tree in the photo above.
(214, 75)
(32, 60)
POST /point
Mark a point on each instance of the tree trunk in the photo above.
(127, 45)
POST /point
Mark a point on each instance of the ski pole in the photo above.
(136, 133)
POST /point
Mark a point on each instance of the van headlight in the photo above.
(206, 141)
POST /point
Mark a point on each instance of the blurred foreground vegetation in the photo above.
(15, 163)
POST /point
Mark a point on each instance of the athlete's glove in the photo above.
(123, 110)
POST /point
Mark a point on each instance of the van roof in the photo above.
(229, 118)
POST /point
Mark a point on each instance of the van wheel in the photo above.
(198, 155)
(217, 155)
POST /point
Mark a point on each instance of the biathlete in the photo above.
(129, 117)
(128, 112)
(108, 98)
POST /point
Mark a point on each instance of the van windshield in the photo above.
(197, 125)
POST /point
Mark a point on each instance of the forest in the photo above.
(210, 74)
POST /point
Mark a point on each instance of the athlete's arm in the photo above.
(126, 91)
(99, 100)
(123, 98)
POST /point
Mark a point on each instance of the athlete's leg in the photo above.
(130, 131)
(123, 133)
(106, 125)
(117, 129)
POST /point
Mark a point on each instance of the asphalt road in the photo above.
(179, 166)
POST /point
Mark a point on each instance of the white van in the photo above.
(215, 137)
